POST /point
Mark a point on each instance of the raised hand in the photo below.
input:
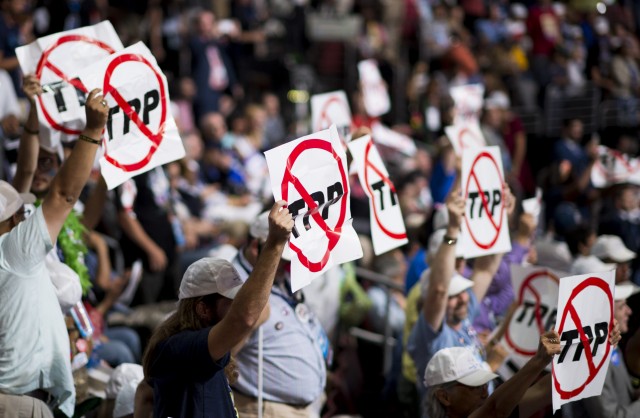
(96, 110)
(280, 222)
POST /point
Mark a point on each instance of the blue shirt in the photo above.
(424, 341)
(34, 343)
(417, 266)
(187, 383)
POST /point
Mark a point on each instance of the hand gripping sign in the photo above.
(387, 227)
(536, 292)
(468, 101)
(140, 133)
(485, 229)
(310, 173)
(465, 136)
(613, 167)
(585, 318)
(331, 109)
(374, 91)
(54, 59)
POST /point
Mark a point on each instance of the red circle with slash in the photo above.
(526, 285)
(369, 165)
(485, 205)
(45, 63)
(333, 235)
(324, 117)
(466, 132)
(570, 310)
(154, 138)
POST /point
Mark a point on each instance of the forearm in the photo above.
(95, 204)
(442, 269)
(9, 64)
(519, 152)
(27, 153)
(254, 294)
(504, 399)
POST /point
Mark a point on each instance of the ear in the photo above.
(203, 311)
(443, 396)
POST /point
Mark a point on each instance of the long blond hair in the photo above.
(185, 318)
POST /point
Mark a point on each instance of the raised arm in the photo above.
(68, 183)
(435, 300)
(504, 399)
(29, 145)
(250, 301)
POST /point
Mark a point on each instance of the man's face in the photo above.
(458, 307)
(462, 400)
(622, 313)
(47, 168)
(623, 272)
(575, 130)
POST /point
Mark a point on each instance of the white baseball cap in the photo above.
(457, 285)
(625, 290)
(11, 200)
(611, 247)
(497, 100)
(210, 275)
(590, 264)
(456, 364)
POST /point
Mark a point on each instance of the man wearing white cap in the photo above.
(34, 344)
(618, 399)
(458, 384)
(450, 301)
(611, 250)
(188, 357)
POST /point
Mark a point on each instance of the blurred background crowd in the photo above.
(560, 78)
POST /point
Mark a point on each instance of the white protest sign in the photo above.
(331, 109)
(533, 206)
(613, 167)
(536, 292)
(389, 138)
(387, 225)
(585, 318)
(374, 91)
(140, 133)
(55, 59)
(464, 136)
(485, 229)
(310, 174)
(468, 101)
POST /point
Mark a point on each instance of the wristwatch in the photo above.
(449, 240)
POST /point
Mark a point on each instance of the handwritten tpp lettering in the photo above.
(150, 101)
(493, 199)
(57, 87)
(601, 331)
(378, 187)
(334, 193)
(528, 306)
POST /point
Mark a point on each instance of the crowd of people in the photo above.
(170, 295)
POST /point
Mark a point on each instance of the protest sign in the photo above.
(374, 91)
(613, 167)
(584, 320)
(386, 136)
(387, 225)
(310, 174)
(485, 229)
(331, 109)
(140, 133)
(464, 136)
(468, 101)
(55, 60)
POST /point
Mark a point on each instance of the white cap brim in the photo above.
(623, 255)
(625, 290)
(477, 378)
(27, 198)
(458, 285)
(231, 293)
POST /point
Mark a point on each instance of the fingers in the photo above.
(615, 335)
(281, 216)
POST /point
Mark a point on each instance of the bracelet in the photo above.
(32, 132)
(449, 240)
(89, 139)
